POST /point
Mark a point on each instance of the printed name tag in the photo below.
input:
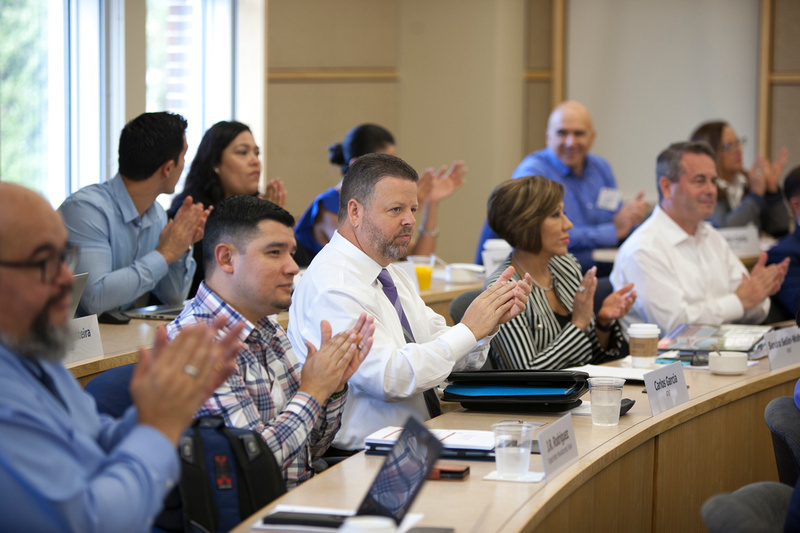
(783, 347)
(558, 446)
(86, 335)
(666, 388)
(742, 240)
(608, 199)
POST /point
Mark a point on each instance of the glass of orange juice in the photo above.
(423, 265)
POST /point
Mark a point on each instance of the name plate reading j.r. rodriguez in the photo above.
(558, 446)
(666, 388)
(86, 339)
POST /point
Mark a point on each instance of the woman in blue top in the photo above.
(316, 225)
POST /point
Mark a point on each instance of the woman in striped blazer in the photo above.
(558, 329)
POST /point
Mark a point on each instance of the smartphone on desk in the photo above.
(686, 358)
(446, 471)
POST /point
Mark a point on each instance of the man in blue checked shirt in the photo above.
(249, 272)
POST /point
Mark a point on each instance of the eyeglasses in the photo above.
(50, 266)
(729, 147)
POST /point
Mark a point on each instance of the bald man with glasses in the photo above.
(64, 467)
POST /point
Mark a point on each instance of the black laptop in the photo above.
(398, 482)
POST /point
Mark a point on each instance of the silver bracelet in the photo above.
(426, 233)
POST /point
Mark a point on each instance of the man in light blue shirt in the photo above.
(591, 198)
(127, 246)
(64, 467)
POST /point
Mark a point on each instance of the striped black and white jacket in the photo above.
(535, 338)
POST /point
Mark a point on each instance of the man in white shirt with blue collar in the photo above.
(683, 269)
(413, 349)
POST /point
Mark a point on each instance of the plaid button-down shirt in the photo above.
(262, 394)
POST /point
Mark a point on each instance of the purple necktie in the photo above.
(389, 289)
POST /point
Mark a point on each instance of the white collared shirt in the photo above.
(682, 278)
(339, 285)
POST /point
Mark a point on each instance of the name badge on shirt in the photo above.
(608, 199)
(666, 388)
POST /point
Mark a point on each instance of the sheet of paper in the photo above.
(630, 374)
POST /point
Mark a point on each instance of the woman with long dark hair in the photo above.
(226, 164)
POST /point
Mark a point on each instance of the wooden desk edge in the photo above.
(567, 482)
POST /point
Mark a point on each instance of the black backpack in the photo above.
(227, 474)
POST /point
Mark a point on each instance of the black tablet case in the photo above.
(560, 379)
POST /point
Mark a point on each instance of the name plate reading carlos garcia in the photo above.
(666, 388)
(557, 446)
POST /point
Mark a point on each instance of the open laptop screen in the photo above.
(391, 494)
(401, 477)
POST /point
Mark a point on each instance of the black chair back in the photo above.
(783, 418)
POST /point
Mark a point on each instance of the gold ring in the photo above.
(359, 347)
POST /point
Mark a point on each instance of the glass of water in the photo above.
(512, 448)
(606, 397)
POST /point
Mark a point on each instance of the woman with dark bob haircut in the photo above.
(226, 164)
(745, 197)
(558, 329)
(316, 225)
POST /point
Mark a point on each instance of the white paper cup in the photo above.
(606, 399)
(512, 448)
(643, 342)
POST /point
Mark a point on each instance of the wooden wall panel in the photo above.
(539, 95)
(540, 34)
(786, 33)
(786, 122)
(311, 116)
(325, 33)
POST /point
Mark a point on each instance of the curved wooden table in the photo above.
(647, 474)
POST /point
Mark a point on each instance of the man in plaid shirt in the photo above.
(249, 271)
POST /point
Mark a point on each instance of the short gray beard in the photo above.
(44, 342)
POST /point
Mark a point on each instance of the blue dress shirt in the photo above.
(789, 294)
(73, 469)
(118, 249)
(592, 225)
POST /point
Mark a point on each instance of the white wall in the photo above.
(650, 71)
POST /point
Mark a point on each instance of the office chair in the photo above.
(110, 390)
(457, 309)
(460, 303)
(783, 419)
(759, 507)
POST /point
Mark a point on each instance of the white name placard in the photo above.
(783, 347)
(743, 240)
(558, 446)
(666, 388)
(86, 337)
